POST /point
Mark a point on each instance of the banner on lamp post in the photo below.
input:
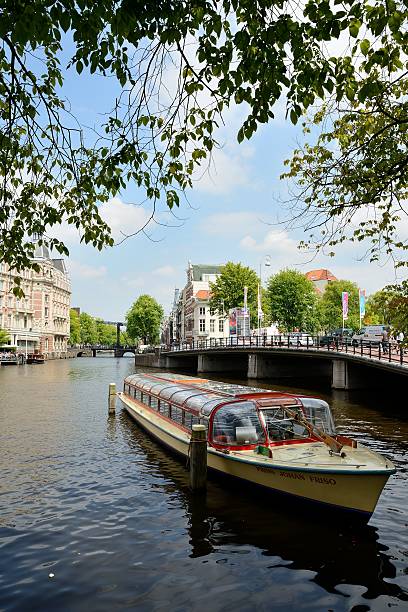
(362, 297)
(245, 309)
(260, 311)
(344, 301)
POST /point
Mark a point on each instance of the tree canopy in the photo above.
(331, 305)
(398, 307)
(143, 320)
(54, 169)
(293, 301)
(88, 329)
(228, 290)
(74, 327)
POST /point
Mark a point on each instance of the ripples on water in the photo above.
(95, 502)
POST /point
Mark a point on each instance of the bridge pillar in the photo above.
(340, 378)
(346, 375)
(212, 363)
(93, 352)
(258, 367)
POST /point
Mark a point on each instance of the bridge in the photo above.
(91, 350)
(346, 366)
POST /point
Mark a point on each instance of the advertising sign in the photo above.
(344, 300)
(233, 322)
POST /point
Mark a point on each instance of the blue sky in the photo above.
(231, 215)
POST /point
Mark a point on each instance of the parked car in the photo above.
(339, 336)
(300, 339)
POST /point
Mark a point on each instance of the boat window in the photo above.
(318, 412)
(138, 395)
(280, 426)
(176, 415)
(164, 408)
(153, 402)
(237, 424)
(192, 419)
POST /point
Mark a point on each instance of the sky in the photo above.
(234, 213)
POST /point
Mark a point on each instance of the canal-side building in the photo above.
(199, 320)
(39, 321)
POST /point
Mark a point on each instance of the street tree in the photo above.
(143, 320)
(89, 331)
(106, 333)
(378, 307)
(331, 305)
(398, 307)
(228, 290)
(74, 327)
(4, 336)
(293, 301)
(54, 169)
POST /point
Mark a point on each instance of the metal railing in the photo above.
(382, 351)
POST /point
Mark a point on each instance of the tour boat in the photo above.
(284, 442)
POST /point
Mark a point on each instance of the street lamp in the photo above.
(266, 260)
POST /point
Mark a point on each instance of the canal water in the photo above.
(96, 516)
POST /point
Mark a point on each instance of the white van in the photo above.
(371, 334)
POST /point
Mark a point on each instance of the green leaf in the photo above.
(354, 27)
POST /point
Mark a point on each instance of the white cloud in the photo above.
(275, 242)
(123, 219)
(228, 170)
(164, 271)
(236, 223)
(80, 270)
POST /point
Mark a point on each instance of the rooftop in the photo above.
(200, 269)
(320, 274)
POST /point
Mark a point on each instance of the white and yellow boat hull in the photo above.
(307, 471)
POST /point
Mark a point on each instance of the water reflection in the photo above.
(227, 519)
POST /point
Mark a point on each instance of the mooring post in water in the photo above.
(112, 398)
(198, 458)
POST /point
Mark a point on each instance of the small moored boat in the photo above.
(284, 442)
(35, 358)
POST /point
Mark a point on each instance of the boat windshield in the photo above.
(237, 424)
(317, 412)
(280, 426)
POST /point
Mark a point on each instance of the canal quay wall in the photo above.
(341, 370)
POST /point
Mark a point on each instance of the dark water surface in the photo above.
(95, 503)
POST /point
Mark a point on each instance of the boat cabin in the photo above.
(235, 416)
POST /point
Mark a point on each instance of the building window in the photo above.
(212, 325)
(202, 310)
(221, 325)
(202, 325)
(46, 311)
(212, 311)
(46, 299)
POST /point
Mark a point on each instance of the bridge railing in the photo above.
(382, 351)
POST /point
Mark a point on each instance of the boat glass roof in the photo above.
(203, 396)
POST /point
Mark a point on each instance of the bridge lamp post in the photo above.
(266, 260)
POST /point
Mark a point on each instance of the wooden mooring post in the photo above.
(198, 458)
(112, 398)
